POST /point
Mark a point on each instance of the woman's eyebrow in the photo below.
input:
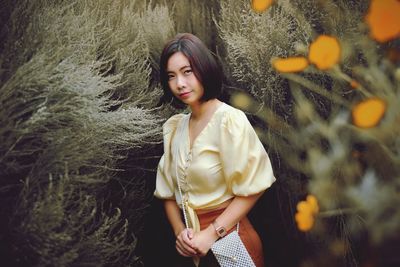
(186, 66)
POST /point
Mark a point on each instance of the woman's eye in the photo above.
(188, 71)
(170, 77)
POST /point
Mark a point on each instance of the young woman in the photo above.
(221, 164)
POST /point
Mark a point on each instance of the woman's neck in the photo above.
(201, 109)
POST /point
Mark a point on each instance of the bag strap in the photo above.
(180, 136)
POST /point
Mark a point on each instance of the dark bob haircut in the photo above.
(204, 64)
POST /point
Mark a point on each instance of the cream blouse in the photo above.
(226, 160)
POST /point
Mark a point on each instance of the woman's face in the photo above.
(181, 80)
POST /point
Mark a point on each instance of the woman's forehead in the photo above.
(177, 61)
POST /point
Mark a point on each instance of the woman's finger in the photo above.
(185, 241)
(181, 249)
(181, 252)
(190, 233)
(187, 236)
(185, 247)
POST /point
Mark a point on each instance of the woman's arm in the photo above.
(174, 216)
(236, 210)
(183, 235)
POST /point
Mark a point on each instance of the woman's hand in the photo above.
(183, 243)
(203, 240)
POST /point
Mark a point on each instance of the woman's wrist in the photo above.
(179, 230)
(213, 234)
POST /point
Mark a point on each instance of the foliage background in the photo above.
(81, 129)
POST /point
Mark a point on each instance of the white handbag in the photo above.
(228, 250)
(231, 252)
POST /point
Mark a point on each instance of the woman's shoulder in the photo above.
(231, 115)
(232, 121)
(172, 123)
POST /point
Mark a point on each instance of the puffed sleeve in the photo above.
(246, 165)
(164, 183)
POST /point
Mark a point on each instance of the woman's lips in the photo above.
(184, 95)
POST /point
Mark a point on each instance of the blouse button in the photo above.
(184, 188)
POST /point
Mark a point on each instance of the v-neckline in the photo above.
(191, 144)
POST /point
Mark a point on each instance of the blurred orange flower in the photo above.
(241, 100)
(393, 54)
(324, 52)
(306, 211)
(354, 84)
(292, 64)
(261, 5)
(368, 113)
(383, 18)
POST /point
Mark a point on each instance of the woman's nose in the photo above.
(180, 82)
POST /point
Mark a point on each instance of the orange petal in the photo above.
(313, 203)
(354, 84)
(368, 113)
(292, 64)
(304, 222)
(261, 5)
(383, 19)
(324, 52)
(304, 207)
